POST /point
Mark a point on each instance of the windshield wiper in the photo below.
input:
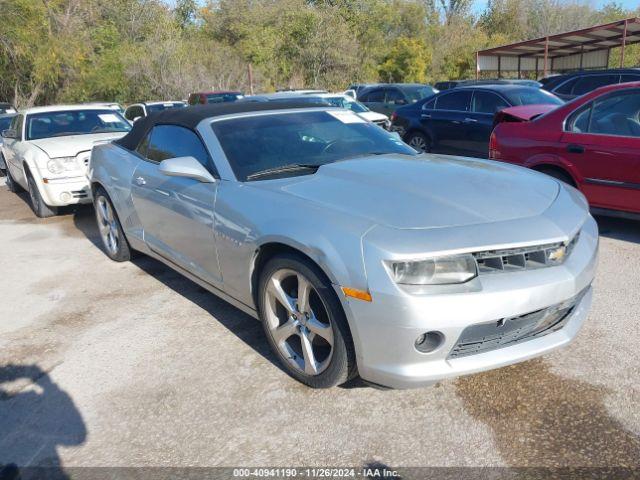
(292, 167)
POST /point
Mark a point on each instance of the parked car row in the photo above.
(331, 99)
(572, 85)
(459, 121)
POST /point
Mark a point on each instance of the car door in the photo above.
(446, 122)
(375, 100)
(589, 83)
(176, 213)
(479, 121)
(394, 98)
(602, 142)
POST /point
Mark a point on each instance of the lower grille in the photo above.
(80, 194)
(510, 331)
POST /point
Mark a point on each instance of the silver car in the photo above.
(359, 255)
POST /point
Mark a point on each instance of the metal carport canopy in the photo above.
(580, 49)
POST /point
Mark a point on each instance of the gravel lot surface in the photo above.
(106, 364)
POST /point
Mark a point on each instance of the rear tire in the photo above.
(310, 337)
(112, 235)
(419, 141)
(41, 209)
(558, 175)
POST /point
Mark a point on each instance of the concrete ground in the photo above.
(107, 364)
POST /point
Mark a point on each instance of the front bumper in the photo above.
(59, 192)
(386, 329)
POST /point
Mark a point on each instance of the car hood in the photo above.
(426, 191)
(373, 116)
(71, 145)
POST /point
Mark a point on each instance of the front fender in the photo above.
(35, 161)
(248, 219)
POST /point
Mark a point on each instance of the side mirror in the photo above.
(400, 101)
(187, 167)
(9, 133)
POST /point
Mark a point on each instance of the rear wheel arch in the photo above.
(556, 171)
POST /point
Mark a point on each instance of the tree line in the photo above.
(54, 51)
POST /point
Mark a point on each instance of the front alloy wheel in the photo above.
(111, 233)
(419, 142)
(298, 322)
(304, 322)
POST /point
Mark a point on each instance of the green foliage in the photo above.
(406, 61)
(131, 50)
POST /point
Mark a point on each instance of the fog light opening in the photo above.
(429, 342)
(65, 196)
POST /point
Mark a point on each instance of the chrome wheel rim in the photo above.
(298, 322)
(107, 225)
(419, 143)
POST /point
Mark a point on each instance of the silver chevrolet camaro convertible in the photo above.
(359, 255)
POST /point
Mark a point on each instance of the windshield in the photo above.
(5, 123)
(256, 143)
(414, 94)
(531, 96)
(74, 122)
(342, 102)
(158, 107)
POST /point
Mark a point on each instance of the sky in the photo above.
(479, 5)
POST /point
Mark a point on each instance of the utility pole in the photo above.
(250, 69)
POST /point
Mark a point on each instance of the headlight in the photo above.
(434, 271)
(62, 164)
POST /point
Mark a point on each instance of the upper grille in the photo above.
(83, 159)
(525, 258)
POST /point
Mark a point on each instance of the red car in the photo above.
(592, 143)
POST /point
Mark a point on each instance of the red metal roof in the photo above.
(599, 37)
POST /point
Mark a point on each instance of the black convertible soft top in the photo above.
(190, 117)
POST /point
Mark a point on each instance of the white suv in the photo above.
(47, 149)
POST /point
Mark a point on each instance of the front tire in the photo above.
(112, 235)
(39, 207)
(12, 185)
(304, 322)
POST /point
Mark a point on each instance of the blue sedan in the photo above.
(459, 121)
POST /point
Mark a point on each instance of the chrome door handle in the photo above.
(470, 120)
(141, 181)
(425, 115)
